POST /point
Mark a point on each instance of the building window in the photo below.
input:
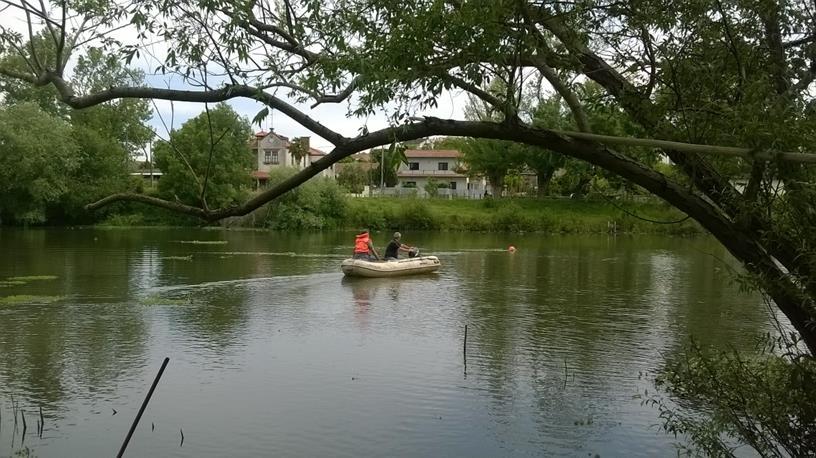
(453, 185)
(413, 166)
(443, 166)
(270, 157)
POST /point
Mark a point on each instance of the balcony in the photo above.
(430, 173)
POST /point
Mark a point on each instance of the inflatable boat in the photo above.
(407, 266)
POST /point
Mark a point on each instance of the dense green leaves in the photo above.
(38, 153)
(353, 176)
(210, 149)
(766, 402)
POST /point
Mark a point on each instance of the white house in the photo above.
(443, 166)
(271, 150)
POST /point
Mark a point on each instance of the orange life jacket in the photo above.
(361, 243)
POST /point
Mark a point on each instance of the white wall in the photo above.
(274, 144)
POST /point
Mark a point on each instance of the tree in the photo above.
(299, 149)
(388, 162)
(207, 160)
(38, 155)
(726, 72)
(106, 134)
(353, 176)
(16, 91)
(492, 158)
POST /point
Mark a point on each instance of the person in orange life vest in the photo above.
(363, 248)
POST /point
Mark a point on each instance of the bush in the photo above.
(432, 187)
(416, 215)
(511, 217)
(133, 219)
(317, 204)
(727, 400)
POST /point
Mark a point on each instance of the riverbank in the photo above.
(519, 215)
(569, 216)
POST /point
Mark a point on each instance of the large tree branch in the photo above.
(209, 96)
(340, 96)
(568, 95)
(477, 91)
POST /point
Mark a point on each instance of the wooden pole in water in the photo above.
(142, 409)
(464, 345)
(464, 352)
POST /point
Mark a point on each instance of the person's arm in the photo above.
(404, 247)
(371, 247)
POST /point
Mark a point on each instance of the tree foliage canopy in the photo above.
(207, 160)
(34, 167)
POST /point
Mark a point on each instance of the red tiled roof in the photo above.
(440, 153)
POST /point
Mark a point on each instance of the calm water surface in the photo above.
(273, 352)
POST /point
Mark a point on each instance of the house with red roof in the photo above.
(271, 150)
(443, 166)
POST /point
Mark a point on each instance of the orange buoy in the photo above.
(511, 249)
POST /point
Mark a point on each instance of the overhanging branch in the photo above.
(208, 96)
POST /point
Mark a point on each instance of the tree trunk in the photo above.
(497, 185)
(543, 179)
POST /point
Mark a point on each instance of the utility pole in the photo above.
(382, 172)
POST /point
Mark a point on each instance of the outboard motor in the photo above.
(413, 252)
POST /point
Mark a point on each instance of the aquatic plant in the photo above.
(33, 278)
(26, 298)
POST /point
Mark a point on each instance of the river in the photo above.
(273, 352)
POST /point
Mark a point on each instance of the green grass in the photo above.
(515, 215)
(27, 299)
(32, 278)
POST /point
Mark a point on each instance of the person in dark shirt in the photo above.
(395, 246)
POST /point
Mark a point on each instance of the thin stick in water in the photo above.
(182, 437)
(42, 423)
(565, 373)
(25, 427)
(464, 352)
(142, 409)
(464, 344)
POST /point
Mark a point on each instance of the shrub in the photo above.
(727, 400)
(511, 217)
(416, 215)
(432, 187)
(317, 204)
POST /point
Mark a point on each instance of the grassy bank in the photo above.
(322, 205)
(529, 215)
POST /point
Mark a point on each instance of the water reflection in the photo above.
(272, 350)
